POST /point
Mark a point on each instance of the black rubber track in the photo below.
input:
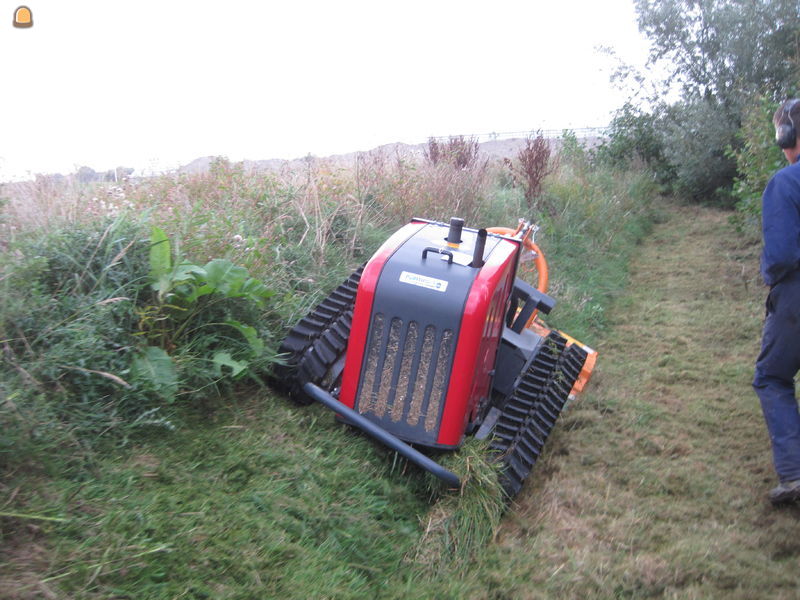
(531, 412)
(317, 342)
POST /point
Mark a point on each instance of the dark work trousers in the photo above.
(776, 367)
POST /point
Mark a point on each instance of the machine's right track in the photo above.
(531, 411)
(319, 340)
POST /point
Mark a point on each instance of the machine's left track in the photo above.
(314, 348)
(531, 412)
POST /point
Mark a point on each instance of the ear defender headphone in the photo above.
(785, 134)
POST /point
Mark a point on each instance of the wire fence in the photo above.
(580, 132)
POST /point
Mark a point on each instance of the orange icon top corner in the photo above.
(23, 17)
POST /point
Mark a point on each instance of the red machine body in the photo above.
(436, 337)
(404, 311)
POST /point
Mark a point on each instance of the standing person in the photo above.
(779, 360)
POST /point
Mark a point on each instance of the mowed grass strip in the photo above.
(654, 484)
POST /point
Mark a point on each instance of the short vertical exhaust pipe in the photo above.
(480, 246)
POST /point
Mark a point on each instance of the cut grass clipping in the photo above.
(460, 524)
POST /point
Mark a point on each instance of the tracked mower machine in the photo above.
(437, 337)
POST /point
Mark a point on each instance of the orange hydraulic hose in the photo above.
(539, 260)
(541, 284)
(541, 267)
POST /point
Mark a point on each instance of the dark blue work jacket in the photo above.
(780, 220)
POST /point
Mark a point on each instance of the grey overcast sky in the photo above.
(152, 85)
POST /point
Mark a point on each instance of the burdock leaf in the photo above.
(250, 334)
(155, 366)
(224, 359)
(225, 277)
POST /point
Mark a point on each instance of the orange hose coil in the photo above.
(539, 260)
(540, 263)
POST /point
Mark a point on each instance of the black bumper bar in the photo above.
(383, 436)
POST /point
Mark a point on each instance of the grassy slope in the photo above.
(653, 485)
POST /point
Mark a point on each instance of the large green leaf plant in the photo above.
(190, 313)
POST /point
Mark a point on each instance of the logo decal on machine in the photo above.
(430, 283)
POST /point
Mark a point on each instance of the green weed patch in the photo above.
(100, 334)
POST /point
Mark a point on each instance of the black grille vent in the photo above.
(405, 376)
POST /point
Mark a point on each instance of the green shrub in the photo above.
(633, 139)
(573, 153)
(696, 137)
(101, 333)
(197, 311)
(756, 161)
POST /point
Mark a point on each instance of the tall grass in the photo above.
(98, 345)
(301, 231)
(594, 220)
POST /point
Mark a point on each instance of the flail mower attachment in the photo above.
(435, 337)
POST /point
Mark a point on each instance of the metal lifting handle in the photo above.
(447, 253)
(383, 436)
